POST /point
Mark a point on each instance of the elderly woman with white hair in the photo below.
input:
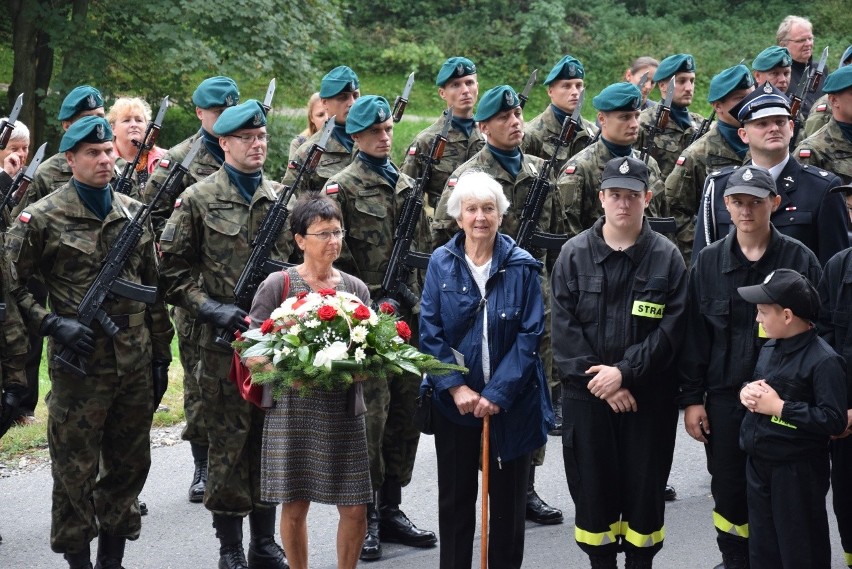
(482, 306)
(14, 157)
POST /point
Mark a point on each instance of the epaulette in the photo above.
(818, 172)
(723, 172)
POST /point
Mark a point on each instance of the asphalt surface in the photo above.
(179, 535)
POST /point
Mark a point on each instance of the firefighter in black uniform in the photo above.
(807, 212)
(723, 340)
(619, 297)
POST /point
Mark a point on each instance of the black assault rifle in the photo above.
(122, 185)
(109, 283)
(21, 182)
(659, 124)
(702, 130)
(796, 104)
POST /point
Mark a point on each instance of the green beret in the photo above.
(623, 96)
(838, 81)
(567, 68)
(216, 92)
(365, 112)
(773, 56)
(846, 58)
(496, 100)
(82, 98)
(250, 114)
(91, 129)
(339, 80)
(731, 79)
(454, 68)
(674, 64)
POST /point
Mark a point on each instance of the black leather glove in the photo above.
(9, 408)
(70, 333)
(228, 316)
(160, 374)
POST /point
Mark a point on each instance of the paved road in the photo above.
(179, 535)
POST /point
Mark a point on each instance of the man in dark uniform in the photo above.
(211, 97)
(797, 35)
(808, 212)
(458, 86)
(830, 148)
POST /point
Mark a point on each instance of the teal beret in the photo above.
(846, 58)
(567, 68)
(454, 68)
(773, 56)
(250, 114)
(496, 100)
(365, 112)
(838, 81)
(341, 79)
(82, 98)
(765, 101)
(623, 96)
(731, 79)
(216, 92)
(674, 64)
(88, 129)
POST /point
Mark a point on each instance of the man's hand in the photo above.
(12, 164)
(228, 316)
(160, 375)
(9, 406)
(696, 422)
(622, 401)
(607, 380)
(70, 333)
(465, 398)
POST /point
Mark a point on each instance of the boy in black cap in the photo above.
(796, 402)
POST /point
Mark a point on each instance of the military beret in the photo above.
(846, 58)
(752, 180)
(250, 114)
(625, 172)
(623, 96)
(674, 64)
(82, 98)
(771, 57)
(496, 100)
(454, 68)
(216, 91)
(567, 68)
(765, 101)
(91, 129)
(730, 79)
(839, 80)
(341, 79)
(367, 111)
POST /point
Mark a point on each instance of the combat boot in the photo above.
(229, 530)
(199, 477)
(110, 551)
(394, 525)
(735, 560)
(608, 561)
(372, 546)
(81, 560)
(537, 509)
(263, 552)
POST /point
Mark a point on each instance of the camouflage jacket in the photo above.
(686, 182)
(333, 160)
(579, 183)
(209, 235)
(371, 208)
(13, 340)
(818, 117)
(669, 143)
(204, 165)
(60, 241)
(458, 150)
(541, 132)
(828, 149)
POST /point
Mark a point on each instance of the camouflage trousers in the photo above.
(195, 430)
(98, 433)
(234, 430)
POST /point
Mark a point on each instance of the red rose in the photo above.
(386, 308)
(403, 330)
(267, 326)
(361, 313)
(302, 295)
(327, 313)
(327, 292)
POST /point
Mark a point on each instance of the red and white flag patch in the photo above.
(681, 159)
(25, 217)
(332, 189)
(452, 182)
(805, 153)
(164, 163)
(570, 169)
(412, 150)
(821, 108)
(178, 202)
(292, 164)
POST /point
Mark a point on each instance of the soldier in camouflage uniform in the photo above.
(720, 147)
(675, 72)
(338, 91)
(773, 65)
(501, 120)
(821, 112)
(564, 85)
(205, 245)
(211, 97)
(371, 191)
(458, 86)
(99, 424)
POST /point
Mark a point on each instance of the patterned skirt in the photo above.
(313, 450)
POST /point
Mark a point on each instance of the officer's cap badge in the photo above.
(572, 69)
(625, 167)
(510, 98)
(460, 69)
(99, 131)
(748, 175)
(229, 101)
(91, 103)
(381, 114)
(256, 120)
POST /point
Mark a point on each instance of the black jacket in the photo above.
(835, 315)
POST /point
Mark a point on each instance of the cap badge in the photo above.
(510, 99)
(768, 277)
(690, 64)
(572, 70)
(785, 61)
(748, 175)
(90, 102)
(229, 101)
(352, 86)
(256, 120)
(381, 113)
(99, 131)
(471, 68)
(624, 168)
(460, 69)
(767, 88)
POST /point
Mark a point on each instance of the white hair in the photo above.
(20, 132)
(479, 186)
(783, 33)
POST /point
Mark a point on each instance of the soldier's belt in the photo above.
(124, 321)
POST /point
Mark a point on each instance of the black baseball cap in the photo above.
(788, 289)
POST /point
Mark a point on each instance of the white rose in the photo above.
(325, 357)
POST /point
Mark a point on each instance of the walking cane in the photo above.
(486, 468)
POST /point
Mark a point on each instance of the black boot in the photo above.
(372, 547)
(635, 560)
(81, 560)
(537, 509)
(735, 560)
(394, 524)
(199, 477)
(670, 494)
(110, 551)
(608, 561)
(556, 397)
(229, 530)
(263, 552)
